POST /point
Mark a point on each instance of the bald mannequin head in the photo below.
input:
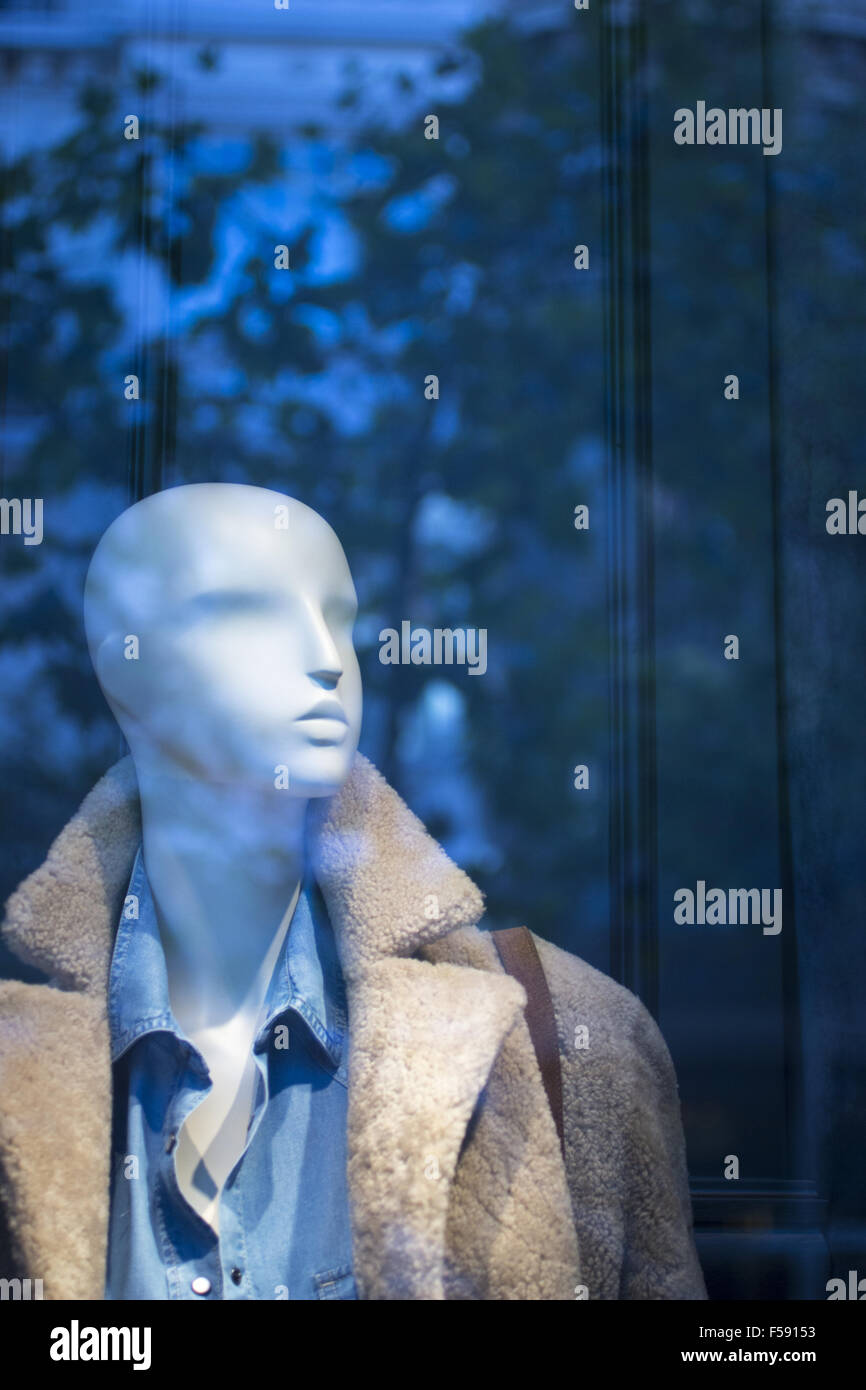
(219, 622)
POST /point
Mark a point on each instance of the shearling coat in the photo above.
(457, 1186)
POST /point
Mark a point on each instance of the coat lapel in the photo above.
(55, 1070)
(427, 1036)
(510, 1231)
(440, 1207)
(424, 1039)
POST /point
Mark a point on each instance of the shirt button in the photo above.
(236, 1275)
(171, 1140)
(201, 1285)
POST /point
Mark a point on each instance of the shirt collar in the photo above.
(306, 978)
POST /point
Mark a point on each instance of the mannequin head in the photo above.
(219, 622)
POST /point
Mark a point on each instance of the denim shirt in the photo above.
(284, 1212)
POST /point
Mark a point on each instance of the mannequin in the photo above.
(219, 621)
(408, 1144)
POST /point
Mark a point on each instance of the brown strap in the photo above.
(519, 955)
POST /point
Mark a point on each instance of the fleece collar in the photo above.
(388, 886)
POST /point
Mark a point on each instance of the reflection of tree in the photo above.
(467, 250)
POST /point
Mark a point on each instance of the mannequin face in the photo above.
(219, 619)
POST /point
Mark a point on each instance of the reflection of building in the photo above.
(273, 67)
(236, 64)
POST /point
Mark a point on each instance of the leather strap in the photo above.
(519, 955)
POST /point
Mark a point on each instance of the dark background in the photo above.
(557, 387)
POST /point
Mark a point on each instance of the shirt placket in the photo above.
(188, 1245)
(200, 1265)
(236, 1267)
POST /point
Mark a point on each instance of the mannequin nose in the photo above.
(326, 677)
(324, 664)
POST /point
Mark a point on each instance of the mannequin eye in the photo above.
(228, 601)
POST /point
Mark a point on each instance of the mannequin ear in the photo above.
(110, 662)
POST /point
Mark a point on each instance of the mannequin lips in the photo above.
(325, 722)
(325, 709)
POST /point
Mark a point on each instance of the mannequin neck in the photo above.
(224, 863)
